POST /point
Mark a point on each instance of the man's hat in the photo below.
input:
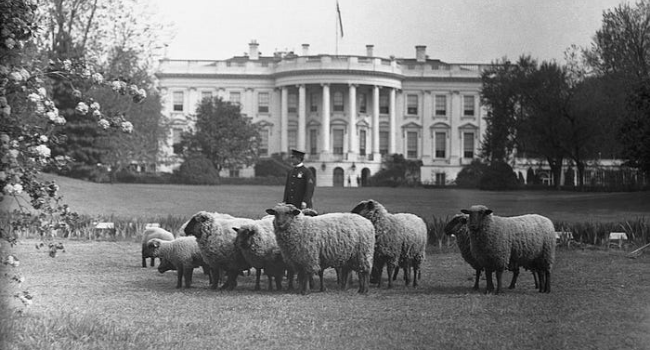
(297, 153)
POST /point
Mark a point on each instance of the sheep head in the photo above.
(476, 215)
(284, 215)
(165, 266)
(369, 209)
(194, 226)
(244, 235)
(154, 246)
(455, 224)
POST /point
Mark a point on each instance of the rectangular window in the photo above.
(362, 103)
(292, 136)
(313, 141)
(362, 142)
(441, 144)
(263, 102)
(468, 105)
(383, 142)
(338, 101)
(176, 140)
(468, 145)
(313, 102)
(440, 179)
(441, 105)
(412, 104)
(337, 141)
(292, 103)
(411, 144)
(206, 94)
(234, 173)
(264, 143)
(235, 97)
(383, 104)
(178, 98)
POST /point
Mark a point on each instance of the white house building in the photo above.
(345, 112)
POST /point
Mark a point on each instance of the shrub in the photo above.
(274, 166)
(196, 170)
(499, 176)
(470, 176)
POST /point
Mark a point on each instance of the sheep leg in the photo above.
(144, 261)
(499, 274)
(535, 277)
(153, 261)
(407, 273)
(258, 275)
(303, 280)
(231, 280)
(216, 278)
(320, 278)
(391, 269)
(395, 273)
(179, 276)
(188, 276)
(416, 273)
(270, 278)
(364, 279)
(476, 280)
(278, 280)
(515, 274)
(489, 285)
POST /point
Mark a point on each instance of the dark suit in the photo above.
(299, 187)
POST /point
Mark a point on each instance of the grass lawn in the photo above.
(96, 296)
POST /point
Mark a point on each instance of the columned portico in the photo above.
(325, 126)
(352, 118)
(284, 120)
(302, 123)
(375, 122)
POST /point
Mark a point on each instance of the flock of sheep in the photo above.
(289, 241)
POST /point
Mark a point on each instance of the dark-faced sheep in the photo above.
(183, 253)
(154, 232)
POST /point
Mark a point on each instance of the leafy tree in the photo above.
(621, 51)
(228, 139)
(397, 170)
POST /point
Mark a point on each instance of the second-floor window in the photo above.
(177, 101)
(337, 141)
(411, 144)
(383, 104)
(441, 105)
(263, 148)
(263, 102)
(468, 106)
(362, 142)
(292, 103)
(313, 102)
(383, 142)
(313, 141)
(338, 101)
(412, 104)
(362, 103)
(440, 145)
(235, 97)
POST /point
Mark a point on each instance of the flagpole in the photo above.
(336, 28)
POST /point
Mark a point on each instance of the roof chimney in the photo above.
(421, 53)
(253, 52)
(305, 49)
(369, 52)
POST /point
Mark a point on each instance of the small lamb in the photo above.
(183, 253)
(154, 232)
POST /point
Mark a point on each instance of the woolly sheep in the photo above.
(216, 238)
(257, 244)
(154, 232)
(312, 244)
(498, 243)
(401, 240)
(183, 253)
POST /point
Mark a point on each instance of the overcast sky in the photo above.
(457, 31)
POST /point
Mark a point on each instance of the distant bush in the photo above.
(499, 176)
(196, 170)
(471, 174)
(274, 166)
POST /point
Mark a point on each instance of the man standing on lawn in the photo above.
(300, 182)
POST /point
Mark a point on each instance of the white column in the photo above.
(325, 131)
(249, 109)
(375, 121)
(393, 127)
(302, 117)
(284, 119)
(352, 118)
(192, 100)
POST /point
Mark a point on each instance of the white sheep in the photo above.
(259, 247)
(311, 244)
(153, 232)
(401, 240)
(499, 243)
(183, 253)
(216, 238)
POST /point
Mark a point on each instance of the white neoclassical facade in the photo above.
(345, 112)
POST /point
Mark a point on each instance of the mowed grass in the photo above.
(96, 295)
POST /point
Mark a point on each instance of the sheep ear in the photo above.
(236, 229)
(270, 212)
(465, 211)
(488, 211)
(296, 212)
(371, 205)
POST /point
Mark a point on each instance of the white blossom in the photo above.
(42, 91)
(82, 108)
(67, 65)
(95, 106)
(11, 189)
(97, 78)
(9, 43)
(43, 139)
(127, 127)
(104, 124)
(43, 151)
